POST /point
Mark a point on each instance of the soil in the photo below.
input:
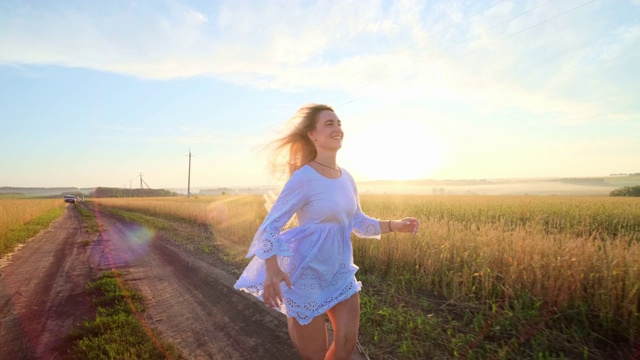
(189, 299)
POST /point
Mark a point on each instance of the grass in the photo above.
(396, 324)
(117, 331)
(487, 277)
(21, 219)
(89, 219)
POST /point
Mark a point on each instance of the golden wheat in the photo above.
(558, 250)
(15, 212)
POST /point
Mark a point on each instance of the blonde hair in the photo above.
(294, 150)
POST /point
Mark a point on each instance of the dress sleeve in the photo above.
(362, 225)
(267, 241)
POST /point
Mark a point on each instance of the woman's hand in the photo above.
(408, 224)
(272, 295)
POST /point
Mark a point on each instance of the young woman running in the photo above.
(308, 271)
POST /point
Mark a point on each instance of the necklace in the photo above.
(327, 166)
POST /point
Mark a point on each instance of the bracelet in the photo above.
(390, 229)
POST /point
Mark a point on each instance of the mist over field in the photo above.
(541, 186)
(516, 187)
(594, 186)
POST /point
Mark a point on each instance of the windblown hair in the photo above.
(294, 150)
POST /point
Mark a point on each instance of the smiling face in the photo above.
(328, 133)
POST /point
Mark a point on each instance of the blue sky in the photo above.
(95, 93)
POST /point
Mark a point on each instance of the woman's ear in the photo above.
(311, 136)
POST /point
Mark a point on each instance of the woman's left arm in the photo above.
(366, 227)
(406, 225)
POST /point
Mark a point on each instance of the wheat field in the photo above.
(15, 214)
(559, 249)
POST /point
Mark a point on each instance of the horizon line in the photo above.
(362, 181)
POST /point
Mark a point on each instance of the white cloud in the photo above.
(367, 49)
(195, 17)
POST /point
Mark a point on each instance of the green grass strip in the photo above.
(116, 332)
(21, 234)
(89, 218)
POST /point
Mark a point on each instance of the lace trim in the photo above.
(304, 313)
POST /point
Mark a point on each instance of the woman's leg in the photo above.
(310, 340)
(345, 319)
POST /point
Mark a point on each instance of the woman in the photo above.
(308, 270)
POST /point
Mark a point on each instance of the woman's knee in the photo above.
(346, 343)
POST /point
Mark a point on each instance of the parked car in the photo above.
(70, 198)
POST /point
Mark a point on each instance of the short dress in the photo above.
(317, 254)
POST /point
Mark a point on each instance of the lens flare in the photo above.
(217, 213)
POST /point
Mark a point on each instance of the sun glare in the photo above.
(397, 150)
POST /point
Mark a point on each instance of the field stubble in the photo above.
(491, 277)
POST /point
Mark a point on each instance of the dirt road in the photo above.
(42, 290)
(189, 300)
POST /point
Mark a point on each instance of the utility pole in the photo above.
(141, 187)
(189, 177)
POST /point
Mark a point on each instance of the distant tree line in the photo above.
(229, 191)
(585, 181)
(106, 192)
(77, 193)
(43, 192)
(626, 191)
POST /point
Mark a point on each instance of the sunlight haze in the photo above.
(97, 93)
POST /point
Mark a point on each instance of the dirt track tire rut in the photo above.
(42, 290)
(191, 302)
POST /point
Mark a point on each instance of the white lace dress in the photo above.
(317, 254)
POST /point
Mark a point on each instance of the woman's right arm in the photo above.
(267, 241)
(272, 295)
